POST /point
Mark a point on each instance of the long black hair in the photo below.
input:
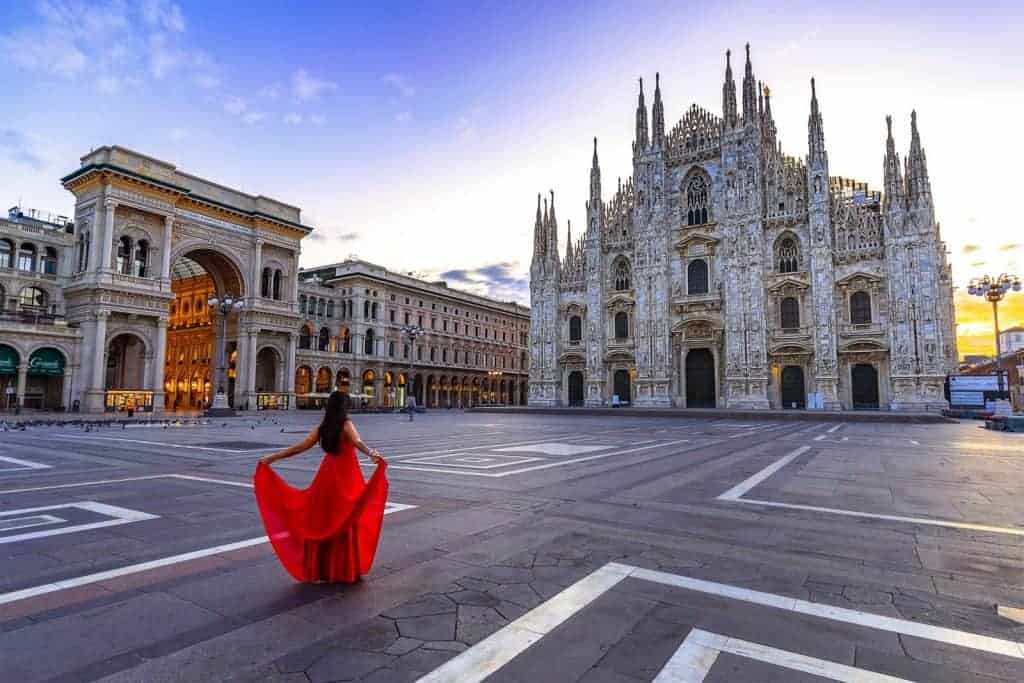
(334, 420)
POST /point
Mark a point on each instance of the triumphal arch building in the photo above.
(152, 244)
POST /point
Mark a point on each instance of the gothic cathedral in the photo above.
(725, 273)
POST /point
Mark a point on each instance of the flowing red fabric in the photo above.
(328, 531)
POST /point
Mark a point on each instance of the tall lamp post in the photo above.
(994, 290)
(225, 306)
(411, 333)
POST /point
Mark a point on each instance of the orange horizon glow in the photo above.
(975, 333)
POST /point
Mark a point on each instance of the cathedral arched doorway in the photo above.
(793, 393)
(864, 384)
(700, 379)
(267, 365)
(575, 388)
(195, 333)
(126, 373)
(621, 386)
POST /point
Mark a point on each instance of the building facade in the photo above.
(474, 349)
(725, 273)
(110, 311)
(1011, 339)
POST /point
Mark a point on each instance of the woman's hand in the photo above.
(377, 457)
(268, 459)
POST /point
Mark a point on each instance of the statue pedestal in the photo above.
(220, 407)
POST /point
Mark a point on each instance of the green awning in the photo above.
(8, 360)
(48, 362)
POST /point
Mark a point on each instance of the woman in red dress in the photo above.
(327, 532)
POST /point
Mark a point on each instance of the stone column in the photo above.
(22, 380)
(94, 397)
(289, 373)
(250, 368)
(257, 271)
(66, 388)
(159, 363)
(108, 235)
(165, 254)
(378, 389)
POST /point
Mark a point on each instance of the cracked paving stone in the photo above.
(546, 589)
(518, 593)
(393, 676)
(422, 606)
(476, 623)
(347, 665)
(510, 610)
(474, 598)
(423, 659)
(866, 596)
(446, 645)
(469, 583)
(403, 646)
(503, 575)
(824, 587)
(430, 627)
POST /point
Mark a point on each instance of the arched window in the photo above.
(6, 254)
(302, 303)
(368, 343)
(141, 258)
(124, 255)
(373, 311)
(330, 308)
(621, 325)
(697, 201)
(265, 283)
(621, 275)
(306, 337)
(346, 341)
(50, 261)
(33, 299)
(860, 308)
(366, 310)
(788, 256)
(324, 341)
(697, 277)
(27, 257)
(575, 329)
(790, 313)
(277, 285)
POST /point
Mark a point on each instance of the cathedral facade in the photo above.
(725, 273)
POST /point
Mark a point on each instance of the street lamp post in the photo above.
(224, 306)
(411, 333)
(994, 290)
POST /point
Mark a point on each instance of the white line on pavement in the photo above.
(819, 437)
(116, 517)
(750, 482)
(695, 657)
(834, 429)
(22, 465)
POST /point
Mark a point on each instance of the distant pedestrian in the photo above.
(412, 407)
(327, 532)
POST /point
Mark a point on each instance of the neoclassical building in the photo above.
(727, 273)
(473, 350)
(109, 310)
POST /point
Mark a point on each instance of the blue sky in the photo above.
(417, 135)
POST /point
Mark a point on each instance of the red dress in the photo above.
(328, 531)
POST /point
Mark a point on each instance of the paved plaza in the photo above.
(519, 547)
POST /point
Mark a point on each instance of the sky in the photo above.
(417, 135)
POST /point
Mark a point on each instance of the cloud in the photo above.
(235, 105)
(971, 248)
(253, 117)
(207, 82)
(401, 83)
(272, 91)
(293, 119)
(307, 87)
(317, 119)
(20, 149)
(348, 236)
(403, 117)
(1013, 246)
(178, 134)
(163, 15)
(501, 281)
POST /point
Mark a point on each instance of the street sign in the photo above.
(967, 398)
(973, 383)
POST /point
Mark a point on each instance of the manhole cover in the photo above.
(240, 445)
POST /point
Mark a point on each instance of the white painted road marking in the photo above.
(489, 655)
(695, 657)
(736, 493)
(552, 448)
(834, 429)
(28, 522)
(117, 515)
(750, 482)
(20, 465)
(819, 437)
(46, 588)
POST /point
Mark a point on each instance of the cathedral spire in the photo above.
(815, 131)
(641, 141)
(919, 190)
(568, 242)
(538, 232)
(893, 178)
(553, 229)
(595, 180)
(658, 115)
(749, 93)
(769, 122)
(729, 94)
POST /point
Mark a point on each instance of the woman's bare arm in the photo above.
(352, 434)
(300, 447)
